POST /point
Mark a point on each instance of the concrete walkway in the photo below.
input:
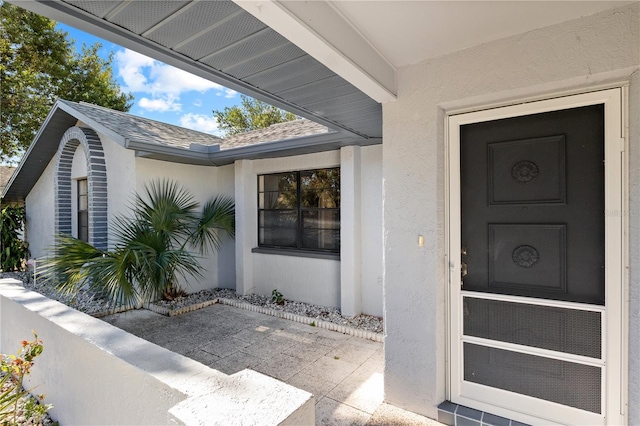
(344, 373)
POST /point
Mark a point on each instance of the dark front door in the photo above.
(532, 205)
(532, 237)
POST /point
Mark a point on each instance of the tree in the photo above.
(152, 247)
(251, 115)
(13, 251)
(38, 64)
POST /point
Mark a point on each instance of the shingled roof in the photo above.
(5, 175)
(275, 132)
(142, 129)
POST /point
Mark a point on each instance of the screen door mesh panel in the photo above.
(563, 382)
(557, 329)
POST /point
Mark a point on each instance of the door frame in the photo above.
(615, 316)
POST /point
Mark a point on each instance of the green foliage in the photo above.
(313, 324)
(277, 297)
(252, 115)
(13, 251)
(152, 247)
(38, 64)
(13, 370)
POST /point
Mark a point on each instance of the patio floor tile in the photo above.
(308, 351)
(319, 388)
(344, 373)
(330, 369)
(333, 413)
(281, 366)
(235, 362)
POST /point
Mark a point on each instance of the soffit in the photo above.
(410, 32)
(222, 42)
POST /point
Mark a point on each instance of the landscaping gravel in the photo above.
(89, 303)
(23, 418)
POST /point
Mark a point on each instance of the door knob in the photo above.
(464, 269)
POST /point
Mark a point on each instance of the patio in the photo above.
(344, 373)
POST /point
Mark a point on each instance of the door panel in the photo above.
(532, 202)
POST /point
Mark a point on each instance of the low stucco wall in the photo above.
(95, 373)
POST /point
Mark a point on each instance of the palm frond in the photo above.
(218, 215)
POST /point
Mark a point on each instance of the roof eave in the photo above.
(25, 167)
(282, 148)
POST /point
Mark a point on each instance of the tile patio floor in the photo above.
(344, 373)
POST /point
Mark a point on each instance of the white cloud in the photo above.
(170, 80)
(229, 93)
(161, 105)
(130, 65)
(162, 83)
(200, 122)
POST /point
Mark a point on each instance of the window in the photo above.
(83, 210)
(300, 210)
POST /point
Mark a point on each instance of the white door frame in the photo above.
(615, 317)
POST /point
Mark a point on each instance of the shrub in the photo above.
(13, 370)
(152, 248)
(13, 251)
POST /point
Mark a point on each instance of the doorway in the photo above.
(536, 264)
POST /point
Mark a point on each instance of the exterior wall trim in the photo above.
(97, 183)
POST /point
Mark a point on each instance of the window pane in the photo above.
(280, 237)
(321, 198)
(82, 187)
(83, 226)
(280, 202)
(277, 200)
(278, 219)
(321, 219)
(321, 239)
(278, 182)
(82, 195)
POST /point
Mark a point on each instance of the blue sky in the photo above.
(162, 92)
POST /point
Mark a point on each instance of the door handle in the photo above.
(463, 269)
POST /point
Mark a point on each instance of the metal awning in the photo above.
(220, 41)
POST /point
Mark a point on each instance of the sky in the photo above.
(162, 92)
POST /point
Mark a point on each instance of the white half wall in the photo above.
(575, 56)
(94, 374)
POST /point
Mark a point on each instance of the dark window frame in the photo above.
(299, 210)
(82, 214)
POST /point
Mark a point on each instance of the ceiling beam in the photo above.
(320, 30)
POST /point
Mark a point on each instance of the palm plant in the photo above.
(151, 249)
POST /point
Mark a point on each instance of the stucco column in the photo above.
(350, 238)
(246, 224)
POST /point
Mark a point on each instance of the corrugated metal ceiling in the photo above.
(229, 44)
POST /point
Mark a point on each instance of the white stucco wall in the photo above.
(39, 206)
(574, 56)
(202, 182)
(227, 254)
(306, 279)
(371, 223)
